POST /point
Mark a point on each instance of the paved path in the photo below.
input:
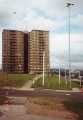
(29, 84)
(18, 112)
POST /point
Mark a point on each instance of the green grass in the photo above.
(14, 80)
(19, 77)
(53, 83)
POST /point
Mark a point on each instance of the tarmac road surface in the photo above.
(25, 93)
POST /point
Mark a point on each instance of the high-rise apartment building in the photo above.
(13, 51)
(22, 52)
(38, 45)
(26, 52)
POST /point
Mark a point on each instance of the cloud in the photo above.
(78, 20)
(48, 15)
(53, 13)
(59, 50)
(34, 21)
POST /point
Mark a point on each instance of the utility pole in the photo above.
(68, 5)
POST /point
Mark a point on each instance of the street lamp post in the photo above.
(66, 77)
(7, 79)
(43, 69)
(79, 77)
(80, 82)
(59, 76)
(69, 15)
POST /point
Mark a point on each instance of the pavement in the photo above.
(29, 84)
(18, 112)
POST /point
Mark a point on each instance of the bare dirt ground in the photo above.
(42, 108)
(51, 107)
(18, 112)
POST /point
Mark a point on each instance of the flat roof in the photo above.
(23, 31)
(41, 30)
(12, 30)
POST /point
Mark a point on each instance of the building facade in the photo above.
(38, 46)
(13, 51)
(22, 52)
(26, 52)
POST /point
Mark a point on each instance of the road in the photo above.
(51, 93)
(11, 111)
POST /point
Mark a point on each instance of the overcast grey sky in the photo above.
(49, 15)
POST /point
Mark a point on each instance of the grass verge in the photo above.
(14, 80)
(53, 83)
